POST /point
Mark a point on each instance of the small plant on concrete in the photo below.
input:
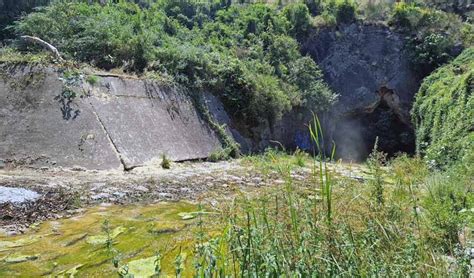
(219, 155)
(165, 162)
(92, 79)
(108, 232)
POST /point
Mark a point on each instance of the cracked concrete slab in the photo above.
(34, 131)
(117, 123)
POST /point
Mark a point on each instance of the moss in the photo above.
(33, 77)
(14, 57)
(230, 147)
(443, 112)
(62, 246)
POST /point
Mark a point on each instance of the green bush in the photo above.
(299, 17)
(11, 10)
(431, 51)
(165, 162)
(407, 16)
(434, 35)
(443, 112)
(243, 54)
(345, 11)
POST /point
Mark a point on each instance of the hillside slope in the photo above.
(444, 112)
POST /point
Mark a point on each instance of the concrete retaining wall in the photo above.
(117, 122)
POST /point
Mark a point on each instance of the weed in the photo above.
(375, 162)
(300, 158)
(108, 231)
(179, 264)
(165, 162)
(92, 79)
(157, 265)
(220, 154)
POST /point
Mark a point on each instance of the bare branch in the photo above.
(45, 45)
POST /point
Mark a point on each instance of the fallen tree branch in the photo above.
(45, 45)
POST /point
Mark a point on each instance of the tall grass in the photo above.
(317, 136)
(337, 226)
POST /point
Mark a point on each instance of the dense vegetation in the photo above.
(11, 10)
(246, 55)
(435, 36)
(444, 113)
(404, 221)
(401, 222)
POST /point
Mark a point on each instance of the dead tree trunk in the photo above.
(45, 45)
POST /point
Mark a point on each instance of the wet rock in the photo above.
(16, 195)
(78, 169)
(20, 258)
(100, 196)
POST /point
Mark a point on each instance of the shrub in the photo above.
(243, 54)
(377, 10)
(443, 113)
(431, 51)
(345, 11)
(298, 16)
(406, 16)
(219, 155)
(315, 7)
(11, 10)
(435, 36)
(92, 79)
(165, 162)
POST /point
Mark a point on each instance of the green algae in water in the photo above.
(76, 246)
(6, 245)
(142, 267)
(102, 239)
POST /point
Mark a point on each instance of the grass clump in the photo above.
(219, 155)
(165, 162)
(12, 56)
(92, 79)
(375, 163)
